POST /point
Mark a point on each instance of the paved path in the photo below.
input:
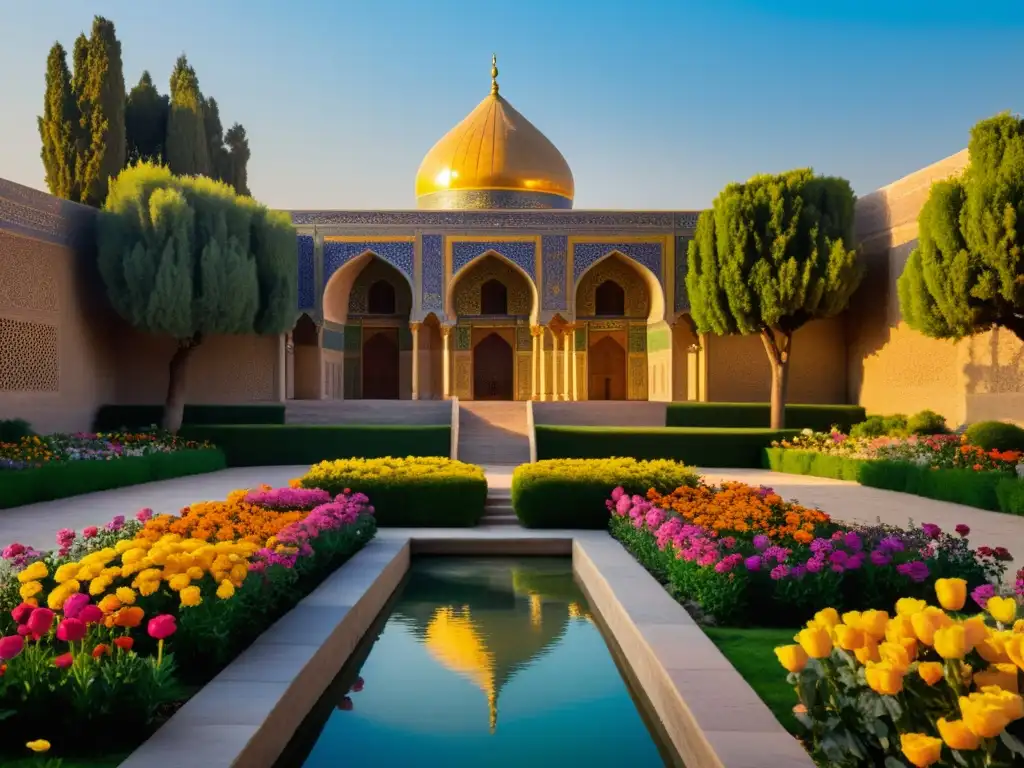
(856, 503)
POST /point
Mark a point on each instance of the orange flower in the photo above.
(129, 617)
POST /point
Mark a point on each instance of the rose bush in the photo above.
(36, 451)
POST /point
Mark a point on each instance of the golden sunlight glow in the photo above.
(535, 614)
(452, 640)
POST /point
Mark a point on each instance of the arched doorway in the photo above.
(606, 363)
(380, 365)
(493, 369)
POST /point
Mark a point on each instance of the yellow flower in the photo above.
(849, 638)
(1012, 703)
(930, 671)
(30, 589)
(66, 572)
(125, 595)
(957, 735)
(951, 642)
(815, 641)
(884, 678)
(921, 750)
(179, 582)
(987, 713)
(99, 585)
(238, 572)
(194, 572)
(190, 597)
(896, 655)
(1018, 625)
(898, 628)
(226, 591)
(907, 606)
(976, 629)
(792, 657)
(868, 651)
(55, 600)
(1002, 609)
(148, 587)
(34, 572)
(1002, 676)
(851, 618)
(109, 603)
(874, 623)
(39, 745)
(827, 617)
(952, 593)
(927, 621)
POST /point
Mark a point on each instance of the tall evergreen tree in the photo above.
(238, 159)
(105, 95)
(186, 149)
(145, 119)
(58, 126)
(80, 62)
(218, 153)
(79, 78)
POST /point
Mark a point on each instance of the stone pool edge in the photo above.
(247, 714)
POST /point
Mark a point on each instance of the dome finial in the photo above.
(494, 74)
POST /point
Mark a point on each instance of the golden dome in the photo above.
(494, 150)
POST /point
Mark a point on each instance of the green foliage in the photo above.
(927, 423)
(1010, 493)
(571, 493)
(996, 436)
(62, 479)
(238, 159)
(820, 418)
(103, 115)
(699, 447)
(409, 492)
(187, 150)
(215, 148)
(966, 274)
(58, 126)
(12, 430)
(257, 445)
(111, 418)
(880, 426)
(145, 119)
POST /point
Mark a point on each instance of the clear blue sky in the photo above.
(654, 104)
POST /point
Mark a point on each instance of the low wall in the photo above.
(600, 413)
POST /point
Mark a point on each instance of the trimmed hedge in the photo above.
(111, 418)
(996, 436)
(985, 490)
(71, 478)
(249, 445)
(409, 492)
(820, 418)
(571, 493)
(700, 447)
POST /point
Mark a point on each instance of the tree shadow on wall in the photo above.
(988, 376)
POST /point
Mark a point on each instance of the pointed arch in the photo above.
(471, 266)
(338, 290)
(655, 292)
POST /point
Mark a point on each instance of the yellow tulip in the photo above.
(976, 629)
(39, 745)
(827, 617)
(851, 618)
(930, 671)
(815, 641)
(927, 621)
(907, 606)
(895, 654)
(868, 651)
(1012, 703)
(849, 638)
(1002, 676)
(874, 623)
(910, 646)
(952, 593)
(226, 590)
(1002, 609)
(951, 642)
(984, 714)
(921, 750)
(30, 589)
(792, 657)
(1018, 625)
(957, 735)
(898, 628)
(1012, 646)
(884, 678)
(190, 597)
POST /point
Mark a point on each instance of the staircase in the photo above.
(493, 432)
(368, 412)
(498, 508)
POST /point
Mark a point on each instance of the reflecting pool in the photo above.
(481, 662)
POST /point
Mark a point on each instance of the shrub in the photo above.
(1010, 493)
(276, 444)
(880, 426)
(755, 415)
(570, 493)
(996, 436)
(12, 430)
(700, 447)
(927, 423)
(409, 492)
(117, 417)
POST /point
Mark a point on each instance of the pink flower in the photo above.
(357, 686)
(144, 514)
(13, 550)
(40, 621)
(963, 530)
(161, 627)
(346, 704)
(116, 524)
(90, 532)
(11, 646)
(64, 661)
(65, 537)
(90, 614)
(71, 630)
(22, 612)
(74, 605)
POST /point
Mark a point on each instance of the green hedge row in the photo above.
(571, 493)
(985, 490)
(699, 447)
(820, 418)
(110, 418)
(252, 445)
(60, 480)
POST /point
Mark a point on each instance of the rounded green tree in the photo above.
(966, 275)
(187, 257)
(768, 257)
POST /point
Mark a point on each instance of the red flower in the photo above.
(963, 530)
(40, 621)
(100, 650)
(161, 627)
(91, 614)
(357, 686)
(1002, 553)
(985, 551)
(11, 646)
(124, 643)
(71, 630)
(345, 704)
(22, 612)
(64, 661)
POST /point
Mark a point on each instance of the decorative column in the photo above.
(535, 332)
(543, 379)
(568, 351)
(575, 367)
(415, 329)
(554, 365)
(446, 361)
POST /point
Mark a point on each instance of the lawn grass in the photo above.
(752, 652)
(111, 761)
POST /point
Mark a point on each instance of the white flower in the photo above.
(807, 432)
(1020, 470)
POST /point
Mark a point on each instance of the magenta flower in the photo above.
(40, 621)
(761, 541)
(931, 530)
(916, 570)
(753, 563)
(144, 514)
(116, 524)
(74, 605)
(71, 630)
(11, 646)
(90, 532)
(963, 530)
(982, 593)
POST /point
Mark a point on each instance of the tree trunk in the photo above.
(777, 345)
(177, 380)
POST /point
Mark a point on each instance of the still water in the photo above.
(480, 662)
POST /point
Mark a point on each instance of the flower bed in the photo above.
(747, 557)
(57, 466)
(109, 632)
(409, 492)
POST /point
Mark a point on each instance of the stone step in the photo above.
(500, 520)
(499, 495)
(498, 508)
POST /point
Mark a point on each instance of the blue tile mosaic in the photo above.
(307, 273)
(522, 253)
(553, 220)
(398, 254)
(553, 250)
(682, 299)
(585, 254)
(432, 274)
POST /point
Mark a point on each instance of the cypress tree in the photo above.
(145, 119)
(218, 154)
(80, 76)
(105, 95)
(58, 126)
(238, 159)
(186, 149)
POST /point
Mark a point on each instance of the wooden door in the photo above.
(380, 365)
(493, 369)
(606, 366)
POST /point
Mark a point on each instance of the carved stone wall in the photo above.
(638, 302)
(467, 290)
